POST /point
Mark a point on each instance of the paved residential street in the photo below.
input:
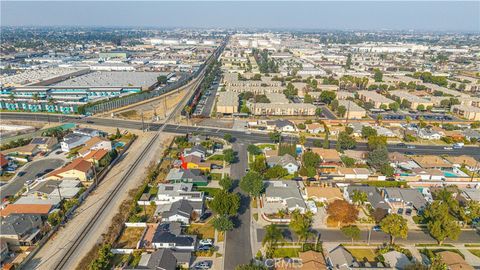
(31, 170)
(414, 237)
(238, 249)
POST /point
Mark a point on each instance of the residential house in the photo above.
(286, 161)
(169, 193)
(96, 156)
(312, 260)
(95, 143)
(315, 128)
(3, 162)
(323, 194)
(4, 251)
(354, 173)
(196, 150)
(405, 197)
(73, 140)
(428, 134)
(180, 175)
(165, 259)
(383, 131)
(428, 174)
(78, 169)
(432, 162)
(330, 159)
(468, 162)
(21, 230)
(341, 258)
(374, 198)
(195, 162)
(169, 235)
(63, 189)
(197, 139)
(454, 261)
(181, 211)
(34, 209)
(471, 134)
(90, 132)
(396, 260)
(281, 195)
(45, 144)
(28, 150)
(281, 125)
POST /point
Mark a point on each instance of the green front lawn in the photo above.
(475, 252)
(286, 252)
(362, 254)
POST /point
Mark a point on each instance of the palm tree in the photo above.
(272, 235)
(359, 197)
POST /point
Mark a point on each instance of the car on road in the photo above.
(206, 241)
(448, 148)
(58, 152)
(20, 174)
(401, 145)
(411, 146)
(408, 153)
(376, 228)
(90, 122)
(203, 265)
(40, 174)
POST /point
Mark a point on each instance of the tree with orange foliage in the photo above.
(342, 212)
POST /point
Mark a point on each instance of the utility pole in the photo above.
(95, 172)
(143, 123)
(369, 235)
(348, 112)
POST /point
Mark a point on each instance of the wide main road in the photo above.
(246, 136)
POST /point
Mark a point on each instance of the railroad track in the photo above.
(98, 214)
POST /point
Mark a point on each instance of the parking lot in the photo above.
(206, 102)
(415, 116)
(29, 172)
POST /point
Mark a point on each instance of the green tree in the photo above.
(351, 231)
(229, 156)
(345, 141)
(162, 79)
(272, 235)
(348, 161)
(327, 96)
(228, 137)
(251, 266)
(318, 111)
(275, 136)
(254, 150)
(102, 262)
(259, 164)
(326, 141)
(301, 224)
(118, 135)
(276, 172)
(225, 203)
(252, 183)
(307, 171)
(378, 157)
(440, 223)
(421, 107)
(223, 223)
(359, 197)
(378, 75)
(226, 183)
(375, 142)
(308, 99)
(368, 131)
(394, 106)
(395, 226)
(341, 111)
(310, 159)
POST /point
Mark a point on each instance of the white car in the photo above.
(207, 241)
(448, 148)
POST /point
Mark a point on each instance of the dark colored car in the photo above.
(408, 212)
(311, 179)
(401, 144)
(21, 174)
(47, 170)
(297, 179)
(39, 174)
(205, 247)
(58, 152)
(408, 153)
(400, 211)
(90, 122)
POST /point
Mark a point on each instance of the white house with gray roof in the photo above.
(286, 161)
(281, 195)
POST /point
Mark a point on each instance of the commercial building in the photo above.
(375, 98)
(281, 109)
(227, 102)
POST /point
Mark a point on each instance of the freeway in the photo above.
(246, 136)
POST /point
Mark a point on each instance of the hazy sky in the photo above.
(429, 15)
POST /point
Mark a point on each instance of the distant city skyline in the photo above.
(343, 15)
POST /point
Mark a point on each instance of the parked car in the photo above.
(203, 265)
(400, 211)
(215, 166)
(21, 174)
(205, 247)
(448, 148)
(376, 228)
(408, 212)
(408, 153)
(58, 152)
(207, 241)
